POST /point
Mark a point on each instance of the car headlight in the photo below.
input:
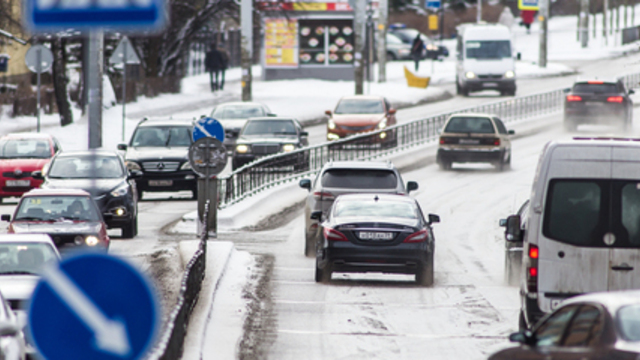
(242, 149)
(470, 75)
(92, 240)
(509, 74)
(382, 124)
(120, 190)
(186, 166)
(288, 147)
(331, 124)
(132, 165)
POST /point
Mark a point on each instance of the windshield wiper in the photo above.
(30, 218)
(284, 133)
(17, 272)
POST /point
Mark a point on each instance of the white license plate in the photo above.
(160, 182)
(469, 141)
(490, 84)
(18, 183)
(365, 235)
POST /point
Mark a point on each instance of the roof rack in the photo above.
(601, 138)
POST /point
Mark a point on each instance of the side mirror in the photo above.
(122, 147)
(271, 115)
(513, 231)
(566, 91)
(632, 92)
(392, 111)
(5, 217)
(511, 132)
(305, 184)
(316, 215)
(412, 186)
(327, 112)
(434, 219)
(524, 337)
(304, 133)
(519, 56)
(37, 175)
(135, 174)
(8, 329)
(502, 222)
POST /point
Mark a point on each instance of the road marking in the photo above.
(110, 335)
(418, 336)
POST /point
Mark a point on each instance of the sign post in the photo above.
(38, 59)
(124, 54)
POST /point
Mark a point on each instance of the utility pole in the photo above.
(605, 9)
(246, 30)
(383, 15)
(479, 13)
(359, 23)
(584, 23)
(94, 55)
(544, 21)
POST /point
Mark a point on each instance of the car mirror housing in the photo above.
(37, 175)
(434, 219)
(412, 186)
(566, 91)
(392, 111)
(304, 133)
(328, 112)
(271, 115)
(5, 217)
(632, 92)
(305, 184)
(135, 174)
(122, 147)
(511, 132)
(502, 222)
(316, 215)
(513, 231)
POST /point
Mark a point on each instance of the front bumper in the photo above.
(493, 154)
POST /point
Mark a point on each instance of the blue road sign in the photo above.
(93, 306)
(208, 127)
(432, 4)
(46, 15)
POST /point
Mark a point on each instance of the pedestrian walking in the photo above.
(527, 19)
(224, 64)
(417, 49)
(212, 64)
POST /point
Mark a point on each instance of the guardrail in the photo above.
(275, 169)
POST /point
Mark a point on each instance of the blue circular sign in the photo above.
(93, 306)
(208, 127)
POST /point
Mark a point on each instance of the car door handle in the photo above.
(623, 267)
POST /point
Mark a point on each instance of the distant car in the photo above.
(20, 155)
(22, 258)
(160, 148)
(359, 114)
(233, 116)
(347, 177)
(513, 246)
(598, 102)
(376, 233)
(432, 50)
(69, 216)
(396, 49)
(104, 175)
(594, 326)
(267, 136)
(470, 137)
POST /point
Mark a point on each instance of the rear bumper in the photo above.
(348, 257)
(468, 155)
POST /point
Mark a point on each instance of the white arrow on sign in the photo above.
(204, 131)
(110, 335)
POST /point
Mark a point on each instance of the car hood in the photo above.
(357, 119)
(157, 153)
(232, 124)
(58, 227)
(95, 187)
(22, 164)
(18, 287)
(413, 223)
(267, 140)
(492, 67)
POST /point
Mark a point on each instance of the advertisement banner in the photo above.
(281, 43)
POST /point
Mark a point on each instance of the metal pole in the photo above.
(94, 84)
(479, 12)
(584, 23)
(124, 88)
(383, 11)
(38, 70)
(246, 30)
(605, 9)
(358, 27)
(544, 15)
(370, 47)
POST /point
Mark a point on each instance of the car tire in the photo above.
(309, 246)
(464, 91)
(444, 165)
(424, 276)
(130, 231)
(522, 323)
(323, 275)
(458, 88)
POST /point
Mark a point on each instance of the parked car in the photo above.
(470, 137)
(594, 326)
(396, 49)
(359, 114)
(347, 177)
(376, 233)
(271, 135)
(69, 216)
(431, 51)
(513, 245)
(104, 175)
(233, 116)
(160, 148)
(22, 258)
(20, 155)
(596, 101)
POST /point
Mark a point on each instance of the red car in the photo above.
(69, 216)
(360, 114)
(20, 155)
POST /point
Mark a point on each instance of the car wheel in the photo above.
(522, 324)
(458, 88)
(445, 165)
(323, 275)
(464, 91)
(129, 231)
(309, 246)
(424, 276)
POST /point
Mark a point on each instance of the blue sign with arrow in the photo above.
(432, 4)
(208, 127)
(93, 306)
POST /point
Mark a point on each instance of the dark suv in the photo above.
(159, 148)
(347, 177)
(598, 102)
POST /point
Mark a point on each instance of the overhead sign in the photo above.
(47, 15)
(93, 306)
(124, 52)
(433, 4)
(207, 156)
(39, 59)
(529, 4)
(208, 127)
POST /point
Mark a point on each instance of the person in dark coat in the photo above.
(224, 64)
(212, 64)
(416, 50)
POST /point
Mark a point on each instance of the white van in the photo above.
(485, 59)
(583, 229)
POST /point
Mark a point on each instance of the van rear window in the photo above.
(471, 124)
(359, 179)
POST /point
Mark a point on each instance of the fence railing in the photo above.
(275, 169)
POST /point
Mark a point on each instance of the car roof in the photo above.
(597, 141)
(359, 165)
(471, 114)
(606, 80)
(56, 192)
(612, 300)
(236, 103)
(166, 122)
(373, 196)
(362, 97)
(262, 118)
(33, 237)
(27, 136)
(87, 152)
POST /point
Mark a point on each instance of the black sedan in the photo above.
(598, 102)
(271, 135)
(376, 233)
(103, 175)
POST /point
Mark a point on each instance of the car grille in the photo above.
(490, 76)
(357, 128)
(160, 166)
(265, 149)
(13, 175)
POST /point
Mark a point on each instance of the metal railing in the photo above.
(275, 169)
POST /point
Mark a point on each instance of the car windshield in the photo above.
(24, 149)
(53, 208)
(392, 39)
(488, 50)
(230, 112)
(25, 258)
(628, 321)
(269, 127)
(162, 136)
(360, 106)
(86, 167)
(374, 208)
(359, 179)
(587, 88)
(477, 125)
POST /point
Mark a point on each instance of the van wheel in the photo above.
(522, 323)
(131, 230)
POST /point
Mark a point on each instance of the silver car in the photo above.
(233, 116)
(347, 177)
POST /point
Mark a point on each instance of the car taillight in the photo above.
(496, 142)
(319, 195)
(334, 235)
(574, 98)
(532, 270)
(615, 99)
(447, 140)
(595, 82)
(417, 237)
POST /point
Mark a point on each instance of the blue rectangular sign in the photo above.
(47, 15)
(432, 4)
